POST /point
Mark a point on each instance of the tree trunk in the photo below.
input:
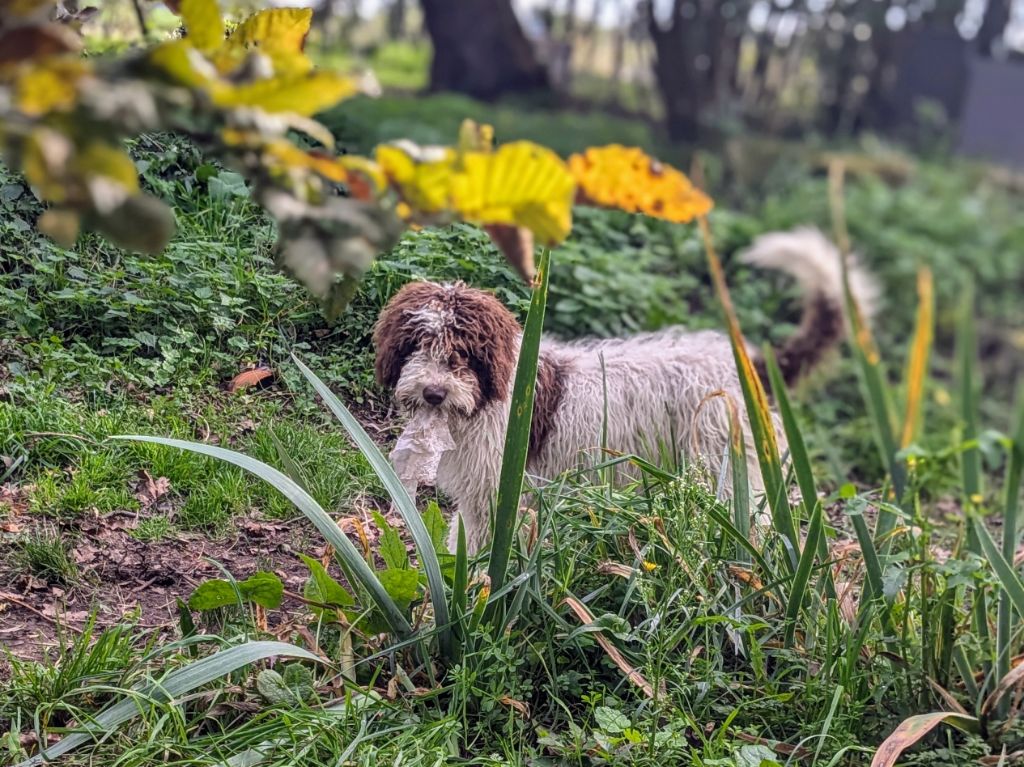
(675, 73)
(396, 20)
(480, 49)
(993, 25)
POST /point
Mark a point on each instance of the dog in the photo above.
(452, 350)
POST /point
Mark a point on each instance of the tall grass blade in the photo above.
(460, 591)
(970, 457)
(758, 410)
(348, 555)
(517, 435)
(1013, 587)
(920, 353)
(1011, 507)
(403, 503)
(967, 362)
(175, 684)
(799, 456)
(877, 397)
(740, 480)
(798, 594)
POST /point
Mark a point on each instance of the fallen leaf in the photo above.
(151, 490)
(253, 377)
(912, 729)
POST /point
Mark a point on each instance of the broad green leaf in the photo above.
(391, 548)
(403, 586)
(265, 589)
(212, 594)
(174, 684)
(610, 720)
(437, 527)
(322, 588)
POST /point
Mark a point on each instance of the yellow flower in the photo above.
(522, 184)
(627, 178)
(649, 566)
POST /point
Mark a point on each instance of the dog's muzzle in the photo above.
(434, 395)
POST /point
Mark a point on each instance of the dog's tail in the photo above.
(808, 256)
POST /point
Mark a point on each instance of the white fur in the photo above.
(658, 390)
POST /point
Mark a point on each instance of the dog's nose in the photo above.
(434, 395)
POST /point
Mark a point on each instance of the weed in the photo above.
(44, 553)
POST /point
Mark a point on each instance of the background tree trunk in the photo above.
(993, 25)
(480, 49)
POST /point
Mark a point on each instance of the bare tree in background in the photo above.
(696, 48)
(480, 49)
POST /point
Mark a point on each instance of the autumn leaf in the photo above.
(203, 22)
(422, 175)
(279, 34)
(627, 178)
(51, 86)
(303, 94)
(912, 729)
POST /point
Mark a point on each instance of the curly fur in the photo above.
(643, 394)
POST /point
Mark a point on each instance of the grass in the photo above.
(743, 652)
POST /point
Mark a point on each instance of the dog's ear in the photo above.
(394, 338)
(488, 335)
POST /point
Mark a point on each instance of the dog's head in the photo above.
(446, 346)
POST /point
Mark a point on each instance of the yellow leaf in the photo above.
(303, 95)
(50, 86)
(109, 161)
(203, 22)
(182, 63)
(283, 156)
(475, 137)
(627, 178)
(424, 184)
(521, 183)
(44, 158)
(277, 30)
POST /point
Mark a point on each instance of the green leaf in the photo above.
(610, 720)
(212, 594)
(174, 684)
(322, 588)
(265, 589)
(402, 585)
(437, 527)
(391, 548)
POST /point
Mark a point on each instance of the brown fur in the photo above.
(821, 328)
(483, 335)
(548, 396)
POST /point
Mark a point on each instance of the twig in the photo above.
(22, 603)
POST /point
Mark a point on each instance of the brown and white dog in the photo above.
(453, 349)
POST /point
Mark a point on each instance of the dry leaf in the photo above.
(252, 377)
(151, 490)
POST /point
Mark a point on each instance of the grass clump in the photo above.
(45, 554)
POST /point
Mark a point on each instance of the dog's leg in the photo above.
(476, 518)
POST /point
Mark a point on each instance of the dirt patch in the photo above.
(121, 577)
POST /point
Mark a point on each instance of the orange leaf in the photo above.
(250, 378)
(912, 729)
